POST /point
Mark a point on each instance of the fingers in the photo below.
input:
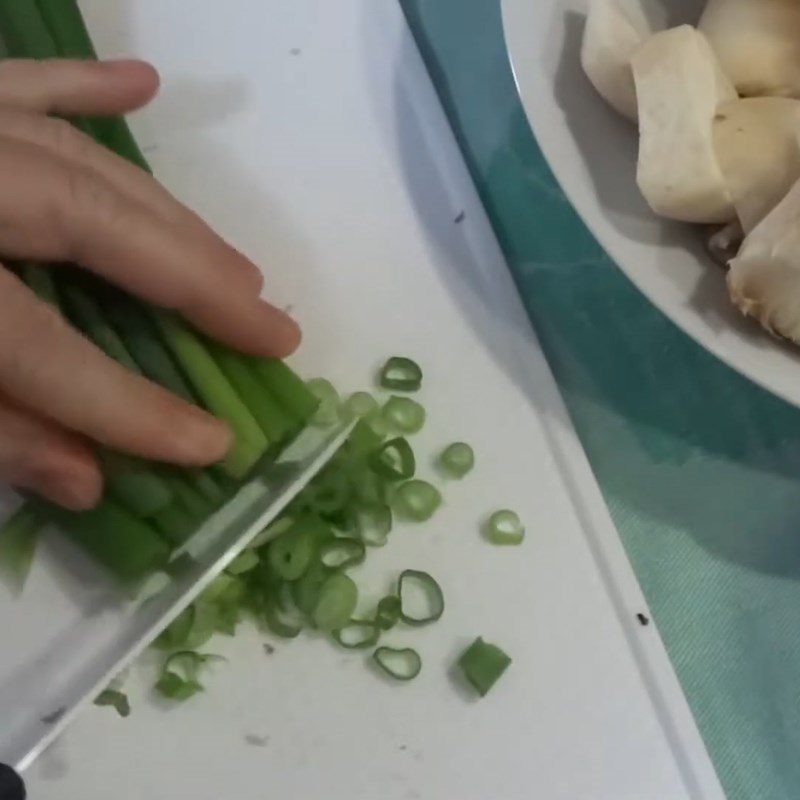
(46, 366)
(54, 210)
(72, 88)
(64, 141)
(37, 455)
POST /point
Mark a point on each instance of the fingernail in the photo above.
(284, 332)
(203, 439)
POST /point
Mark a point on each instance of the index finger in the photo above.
(160, 259)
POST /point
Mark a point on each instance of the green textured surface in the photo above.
(697, 465)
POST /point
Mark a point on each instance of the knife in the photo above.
(207, 553)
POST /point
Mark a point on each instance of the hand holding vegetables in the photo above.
(64, 198)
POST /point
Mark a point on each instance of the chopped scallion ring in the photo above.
(244, 562)
(305, 591)
(394, 460)
(416, 500)
(281, 525)
(388, 612)
(341, 553)
(457, 459)
(359, 404)
(402, 664)
(328, 412)
(505, 527)
(290, 554)
(421, 598)
(115, 698)
(178, 679)
(373, 523)
(403, 414)
(357, 635)
(483, 664)
(401, 374)
(336, 602)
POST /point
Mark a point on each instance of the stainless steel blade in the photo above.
(130, 625)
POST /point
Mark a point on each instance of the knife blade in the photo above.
(215, 545)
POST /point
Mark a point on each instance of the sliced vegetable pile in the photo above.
(295, 574)
(148, 509)
(718, 110)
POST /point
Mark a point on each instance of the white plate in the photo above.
(592, 152)
(309, 132)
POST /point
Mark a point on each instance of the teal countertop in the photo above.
(698, 466)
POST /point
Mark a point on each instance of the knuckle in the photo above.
(86, 201)
(65, 139)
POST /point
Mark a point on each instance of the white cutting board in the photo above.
(309, 133)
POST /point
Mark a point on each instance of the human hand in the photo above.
(64, 198)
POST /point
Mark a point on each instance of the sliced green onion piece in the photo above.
(328, 412)
(394, 460)
(290, 554)
(244, 562)
(178, 679)
(505, 527)
(176, 633)
(457, 459)
(377, 423)
(328, 493)
(205, 620)
(401, 374)
(421, 598)
(401, 664)
(116, 699)
(388, 612)
(363, 438)
(336, 602)
(281, 525)
(373, 522)
(357, 635)
(404, 414)
(280, 621)
(416, 500)
(359, 404)
(306, 591)
(483, 664)
(368, 487)
(341, 553)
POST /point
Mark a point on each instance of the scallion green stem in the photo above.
(276, 424)
(140, 336)
(39, 279)
(134, 484)
(218, 395)
(25, 33)
(86, 314)
(286, 387)
(127, 546)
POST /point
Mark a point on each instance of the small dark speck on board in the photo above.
(255, 740)
(460, 217)
(644, 621)
(268, 648)
(55, 716)
(403, 747)
(149, 148)
(295, 51)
